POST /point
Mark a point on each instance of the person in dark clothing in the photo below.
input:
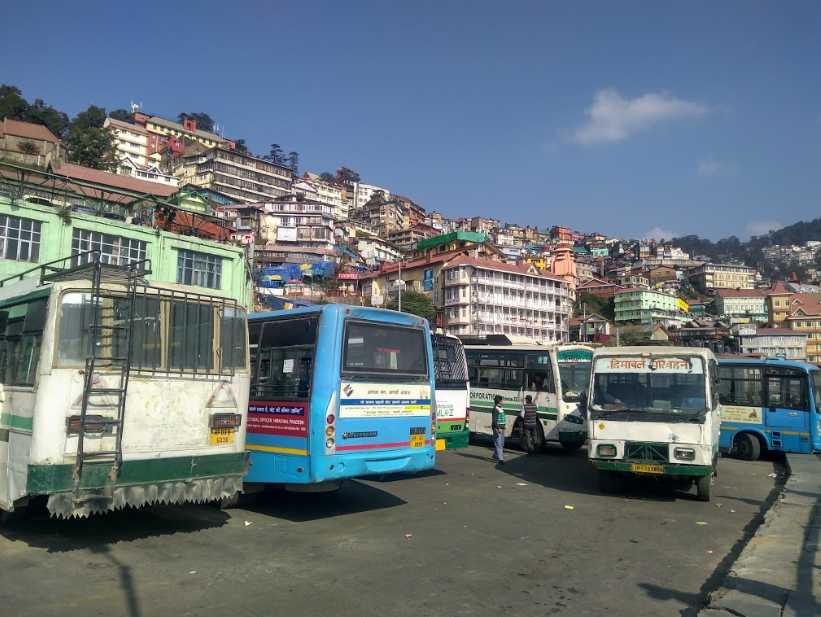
(498, 425)
(530, 426)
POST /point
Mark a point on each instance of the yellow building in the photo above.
(800, 312)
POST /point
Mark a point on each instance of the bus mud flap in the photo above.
(88, 502)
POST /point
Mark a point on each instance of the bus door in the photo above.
(787, 408)
(815, 421)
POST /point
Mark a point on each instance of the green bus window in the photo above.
(232, 337)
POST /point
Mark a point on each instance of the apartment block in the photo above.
(710, 276)
(740, 303)
(483, 297)
(783, 342)
(647, 306)
(239, 175)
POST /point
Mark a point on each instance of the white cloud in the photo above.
(613, 118)
(713, 167)
(659, 233)
(760, 228)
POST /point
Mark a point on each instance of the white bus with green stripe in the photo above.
(514, 371)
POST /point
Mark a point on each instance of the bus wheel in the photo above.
(746, 447)
(704, 486)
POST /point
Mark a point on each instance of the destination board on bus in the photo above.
(379, 400)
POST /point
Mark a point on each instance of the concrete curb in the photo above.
(777, 573)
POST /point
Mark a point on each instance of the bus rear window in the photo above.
(383, 349)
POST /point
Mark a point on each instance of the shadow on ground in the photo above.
(96, 533)
(353, 497)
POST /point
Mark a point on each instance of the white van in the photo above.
(654, 411)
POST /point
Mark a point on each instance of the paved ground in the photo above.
(467, 539)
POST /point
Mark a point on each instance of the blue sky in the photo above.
(626, 118)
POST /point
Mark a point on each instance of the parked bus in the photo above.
(655, 411)
(575, 361)
(452, 392)
(338, 392)
(769, 404)
(116, 393)
(515, 371)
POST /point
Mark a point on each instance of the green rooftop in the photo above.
(461, 236)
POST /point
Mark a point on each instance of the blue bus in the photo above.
(769, 404)
(337, 392)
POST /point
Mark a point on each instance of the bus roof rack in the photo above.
(80, 266)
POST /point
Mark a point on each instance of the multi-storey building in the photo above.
(293, 221)
(741, 303)
(164, 134)
(722, 276)
(407, 238)
(483, 297)
(783, 342)
(647, 306)
(800, 312)
(130, 141)
(361, 194)
(329, 193)
(384, 217)
(239, 175)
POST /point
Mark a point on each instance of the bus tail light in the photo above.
(330, 426)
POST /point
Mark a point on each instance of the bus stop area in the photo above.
(532, 537)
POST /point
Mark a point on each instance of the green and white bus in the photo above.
(575, 363)
(515, 371)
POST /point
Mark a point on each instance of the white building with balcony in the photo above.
(294, 221)
(130, 141)
(782, 342)
(329, 193)
(483, 297)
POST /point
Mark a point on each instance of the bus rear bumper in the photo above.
(371, 464)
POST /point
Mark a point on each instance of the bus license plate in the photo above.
(647, 468)
(417, 441)
(222, 436)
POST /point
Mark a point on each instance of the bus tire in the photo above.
(746, 447)
(704, 486)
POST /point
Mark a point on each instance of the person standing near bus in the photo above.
(499, 423)
(530, 422)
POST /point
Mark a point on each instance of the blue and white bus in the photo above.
(337, 392)
(769, 404)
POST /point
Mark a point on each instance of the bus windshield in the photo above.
(665, 385)
(449, 364)
(384, 350)
(575, 378)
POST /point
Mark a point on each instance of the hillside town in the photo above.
(315, 237)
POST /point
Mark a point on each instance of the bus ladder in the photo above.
(103, 331)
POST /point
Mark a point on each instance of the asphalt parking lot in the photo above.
(534, 537)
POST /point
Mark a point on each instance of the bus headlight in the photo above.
(607, 450)
(684, 454)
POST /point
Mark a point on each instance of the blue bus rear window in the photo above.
(384, 349)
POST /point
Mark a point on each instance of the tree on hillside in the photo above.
(88, 143)
(415, 303)
(12, 103)
(275, 155)
(40, 113)
(204, 121)
(377, 198)
(347, 176)
(241, 146)
(121, 114)
(293, 161)
(328, 177)
(590, 304)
